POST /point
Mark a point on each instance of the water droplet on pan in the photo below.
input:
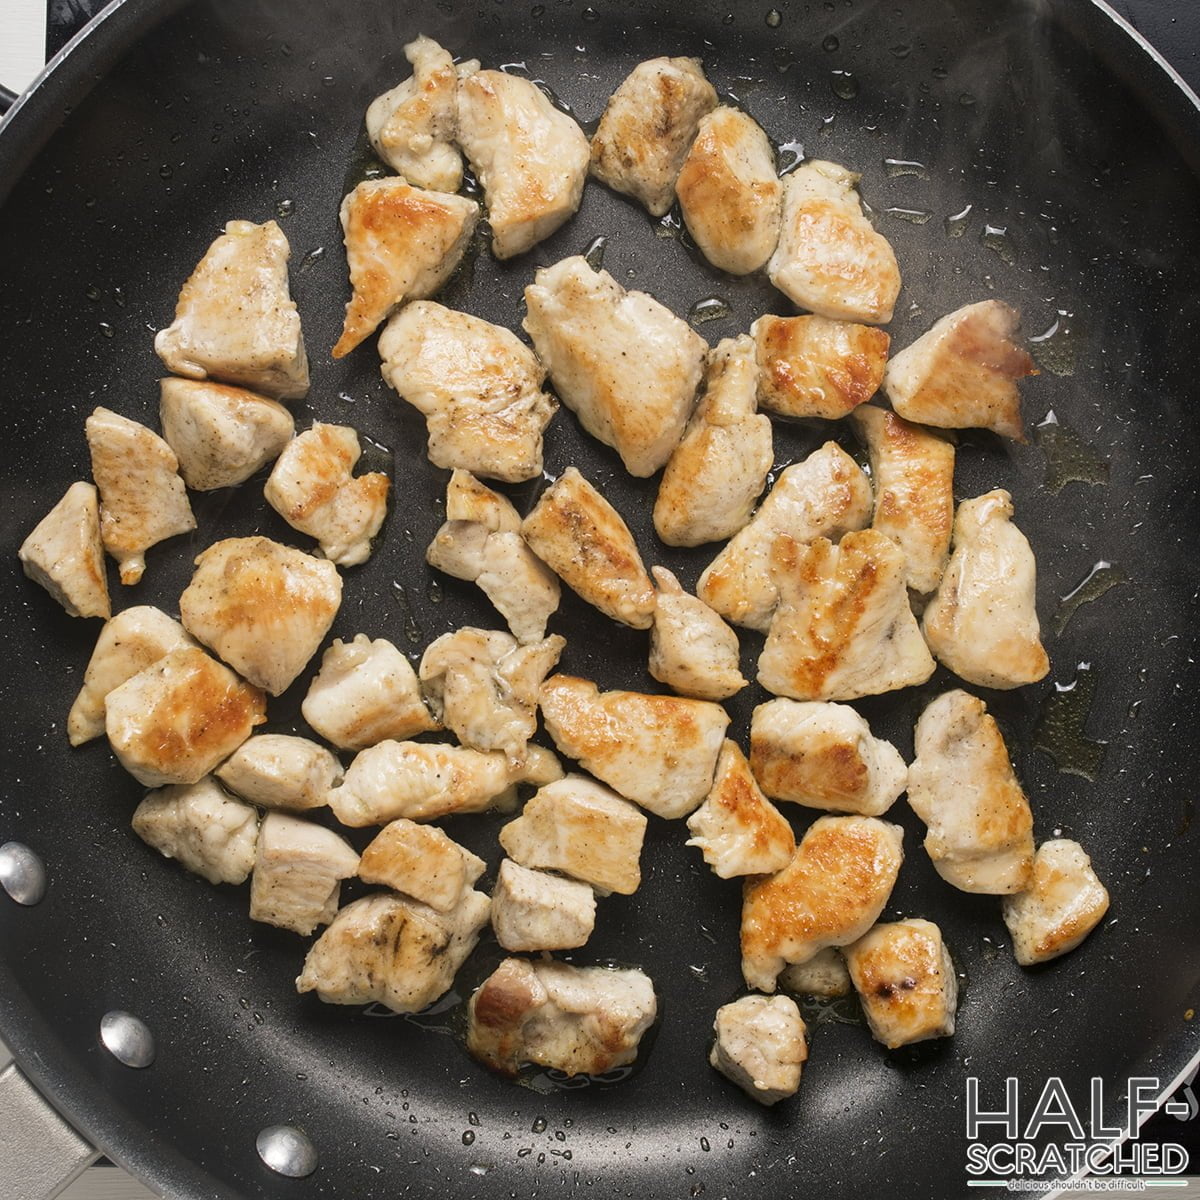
(22, 874)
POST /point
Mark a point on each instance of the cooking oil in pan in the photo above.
(363, 164)
(1056, 348)
(711, 308)
(1060, 726)
(594, 252)
(1069, 459)
(1102, 577)
(956, 225)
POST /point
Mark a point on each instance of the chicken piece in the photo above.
(393, 951)
(530, 159)
(737, 829)
(128, 643)
(412, 126)
(65, 554)
(815, 367)
(276, 770)
(235, 320)
(905, 979)
(582, 538)
(824, 756)
(843, 628)
(143, 501)
(824, 975)
(1062, 903)
(402, 243)
(484, 686)
(717, 472)
(422, 862)
(913, 473)
(202, 827)
(830, 894)
(982, 622)
(761, 1045)
(648, 128)
(263, 607)
(963, 787)
(478, 386)
(826, 495)
(691, 649)
(423, 781)
(963, 372)
(658, 751)
(578, 1020)
(174, 721)
(532, 910)
(577, 827)
(221, 435)
(625, 364)
(481, 543)
(298, 873)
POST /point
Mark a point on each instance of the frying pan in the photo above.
(1077, 156)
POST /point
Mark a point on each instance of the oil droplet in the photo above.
(914, 216)
(901, 50)
(711, 308)
(468, 1137)
(1060, 726)
(311, 258)
(966, 100)
(705, 1145)
(668, 227)
(165, 171)
(118, 296)
(479, 1168)
(539, 1126)
(346, 398)
(1056, 348)
(285, 208)
(590, 14)
(831, 1010)
(327, 81)
(1098, 580)
(106, 329)
(727, 19)
(435, 595)
(538, 10)
(774, 18)
(897, 168)
(939, 72)
(997, 239)
(594, 252)
(1069, 459)
(830, 44)
(791, 155)
(827, 125)
(844, 85)
(956, 225)
(412, 631)
(93, 293)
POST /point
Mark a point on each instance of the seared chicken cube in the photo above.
(905, 979)
(422, 862)
(263, 607)
(477, 385)
(761, 1046)
(648, 127)
(578, 1020)
(532, 910)
(202, 827)
(276, 770)
(65, 554)
(963, 787)
(691, 649)
(625, 364)
(823, 975)
(174, 721)
(142, 498)
(1061, 904)
(830, 894)
(235, 320)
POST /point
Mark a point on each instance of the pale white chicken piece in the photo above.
(691, 649)
(298, 873)
(128, 643)
(202, 827)
(422, 862)
(582, 538)
(718, 470)
(277, 770)
(533, 910)
(142, 498)
(393, 951)
(824, 756)
(478, 386)
(905, 979)
(737, 829)
(843, 628)
(830, 894)
(826, 495)
(263, 607)
(1063, 901)
(483, 685)
(236, 321)
(982, 622)
(648, 127)
(963, 372)
(625, 364)
(582, 829)
(530, 159)
(913, 473)
(175, 720)
(824, 975)
(963, 787)
(658, 751)
(221, 435)
(578, 1020)
(761, 1045)
(481, 543)
(65, 554)
(423, 781)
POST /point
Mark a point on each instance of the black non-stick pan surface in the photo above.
(1053, 174)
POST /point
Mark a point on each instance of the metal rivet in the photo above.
(127, 1038)
(22, 874)
(287, 1151)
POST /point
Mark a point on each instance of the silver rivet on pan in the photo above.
(287, 1151)
(127, 1038)
(22, 874)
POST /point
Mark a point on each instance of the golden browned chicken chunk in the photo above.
(422, 862)
(691, 649)
(534, 910)
(761, 1045)
(277, 770)
(65, 554)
